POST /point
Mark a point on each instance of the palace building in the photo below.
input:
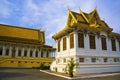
(23, 47)
(90, 42)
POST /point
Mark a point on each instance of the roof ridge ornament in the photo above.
(81, 12)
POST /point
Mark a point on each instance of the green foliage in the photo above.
(70, 67)
(42, 66)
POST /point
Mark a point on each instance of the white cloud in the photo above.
(5, 10)
(51, 14)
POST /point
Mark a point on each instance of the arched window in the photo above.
(103, 42)
(64, 43)
(72, 41)
(113, 44)
(80, 40)
(92, 41)
(58, 46)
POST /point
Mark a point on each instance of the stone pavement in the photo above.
(25, 74)
(36, 74)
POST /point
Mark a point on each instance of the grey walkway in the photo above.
(26, 74)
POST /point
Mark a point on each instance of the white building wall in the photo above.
(88, 66)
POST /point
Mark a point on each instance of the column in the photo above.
(68, 46)
(22, 52)
(10, 51)
(75, 41)
(34, 52)
(16, 51)
(3, 51)
(117, 46)
(86, 43)
(39, 53)
(98, 44)
(45, 53)
(109, 49)
(28, 52)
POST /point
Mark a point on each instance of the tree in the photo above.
(70, 67)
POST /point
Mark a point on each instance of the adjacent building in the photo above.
(23, 47)
(89, 41)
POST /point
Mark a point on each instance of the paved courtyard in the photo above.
(35, 74)
(25, 74)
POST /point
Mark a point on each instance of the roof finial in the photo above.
(68, 8)
(80, 10)
(95, 7)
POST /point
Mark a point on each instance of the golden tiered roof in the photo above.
(21, 35)
(82, 20)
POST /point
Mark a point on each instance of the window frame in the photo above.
(92, 41)
(71, 40)
(80, 40)
(113, 44)
(64, 43)
(104, 43)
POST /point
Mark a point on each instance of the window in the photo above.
(81, 59)
(58, 48)
(103, 41)
(72, 41)
(30, 53)
(64, 43)
(19, 52)
(7, 52)
(36, 54)
(113, 44)
(25, 53)
(105, 59)
(80, 40)
(92, 42)
(0, 51)
(93, 59)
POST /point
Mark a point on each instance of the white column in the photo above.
(75, 40)
(22, 52)
(45, 53)
(86, 43)
(68, 44)
(98, 44)
(3, 51)
(28, 52)
(39, 53)
(117, 46)
(109, 48)
(16, 51)
(10, 51)
(34, 52)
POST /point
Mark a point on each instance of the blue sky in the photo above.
(51, 15)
